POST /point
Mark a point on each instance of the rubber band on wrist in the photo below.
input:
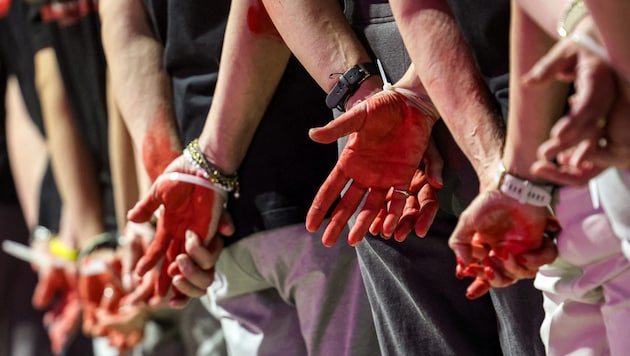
(59, 249)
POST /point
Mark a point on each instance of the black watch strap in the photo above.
(348, 84)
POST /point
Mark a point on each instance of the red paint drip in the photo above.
(157, 148)
(259, 22)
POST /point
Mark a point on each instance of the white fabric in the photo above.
(587, 289)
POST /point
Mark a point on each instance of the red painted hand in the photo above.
(493, 229)
(186, 204)
(56, 291)
(388, 137)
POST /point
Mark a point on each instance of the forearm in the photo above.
(546, 14)
(445, 65)
(141, 86)
(73, 166)
(611, 18)
(533, 109)
(252, 64)
(122, 158)
(320, 36)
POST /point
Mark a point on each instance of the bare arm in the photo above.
(443, 62)
(141, 85)
(611, 18)
(533, 109)
(27, 174)
(252, 63)
(73, 167)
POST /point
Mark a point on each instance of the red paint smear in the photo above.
(259, 22)
(5, 5)
(157, 147)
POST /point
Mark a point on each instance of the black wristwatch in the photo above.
(348, 84)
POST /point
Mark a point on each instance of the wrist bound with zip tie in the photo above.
(227, 182)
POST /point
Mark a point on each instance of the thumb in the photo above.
(552, 65)
(144, 209)
(461, 241)
(342, 126)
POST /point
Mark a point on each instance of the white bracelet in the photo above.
(523, 190)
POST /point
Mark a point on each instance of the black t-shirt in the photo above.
(16, 58)
(72, 29)
(283, 168)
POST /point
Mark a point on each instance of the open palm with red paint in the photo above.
(388, 135)
(185, 201)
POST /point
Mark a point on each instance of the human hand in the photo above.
(388, 134)
(99, 287)
(497, 271)
(578, 166)
(195, 269)
(422, 203)
(581, 129)
(188, 201)
(493, 227)
(56, 291)
(135, 240)
(62, 319)
(102, 294)
(125, 327)
(615, 152)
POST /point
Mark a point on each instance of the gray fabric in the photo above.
(418, 304)
(287, 294)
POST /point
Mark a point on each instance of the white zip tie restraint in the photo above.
(422, 102)
(192, 179)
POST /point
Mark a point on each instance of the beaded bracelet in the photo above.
(573, 13)
(229, 183)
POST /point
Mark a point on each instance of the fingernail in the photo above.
(189, 235)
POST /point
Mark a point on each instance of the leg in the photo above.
(417, 302)
(322, 286)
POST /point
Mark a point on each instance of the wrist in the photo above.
(105, 240)
(574, 12)
(369, 87)
(349, 83)
(523, 190)
(227, 182)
